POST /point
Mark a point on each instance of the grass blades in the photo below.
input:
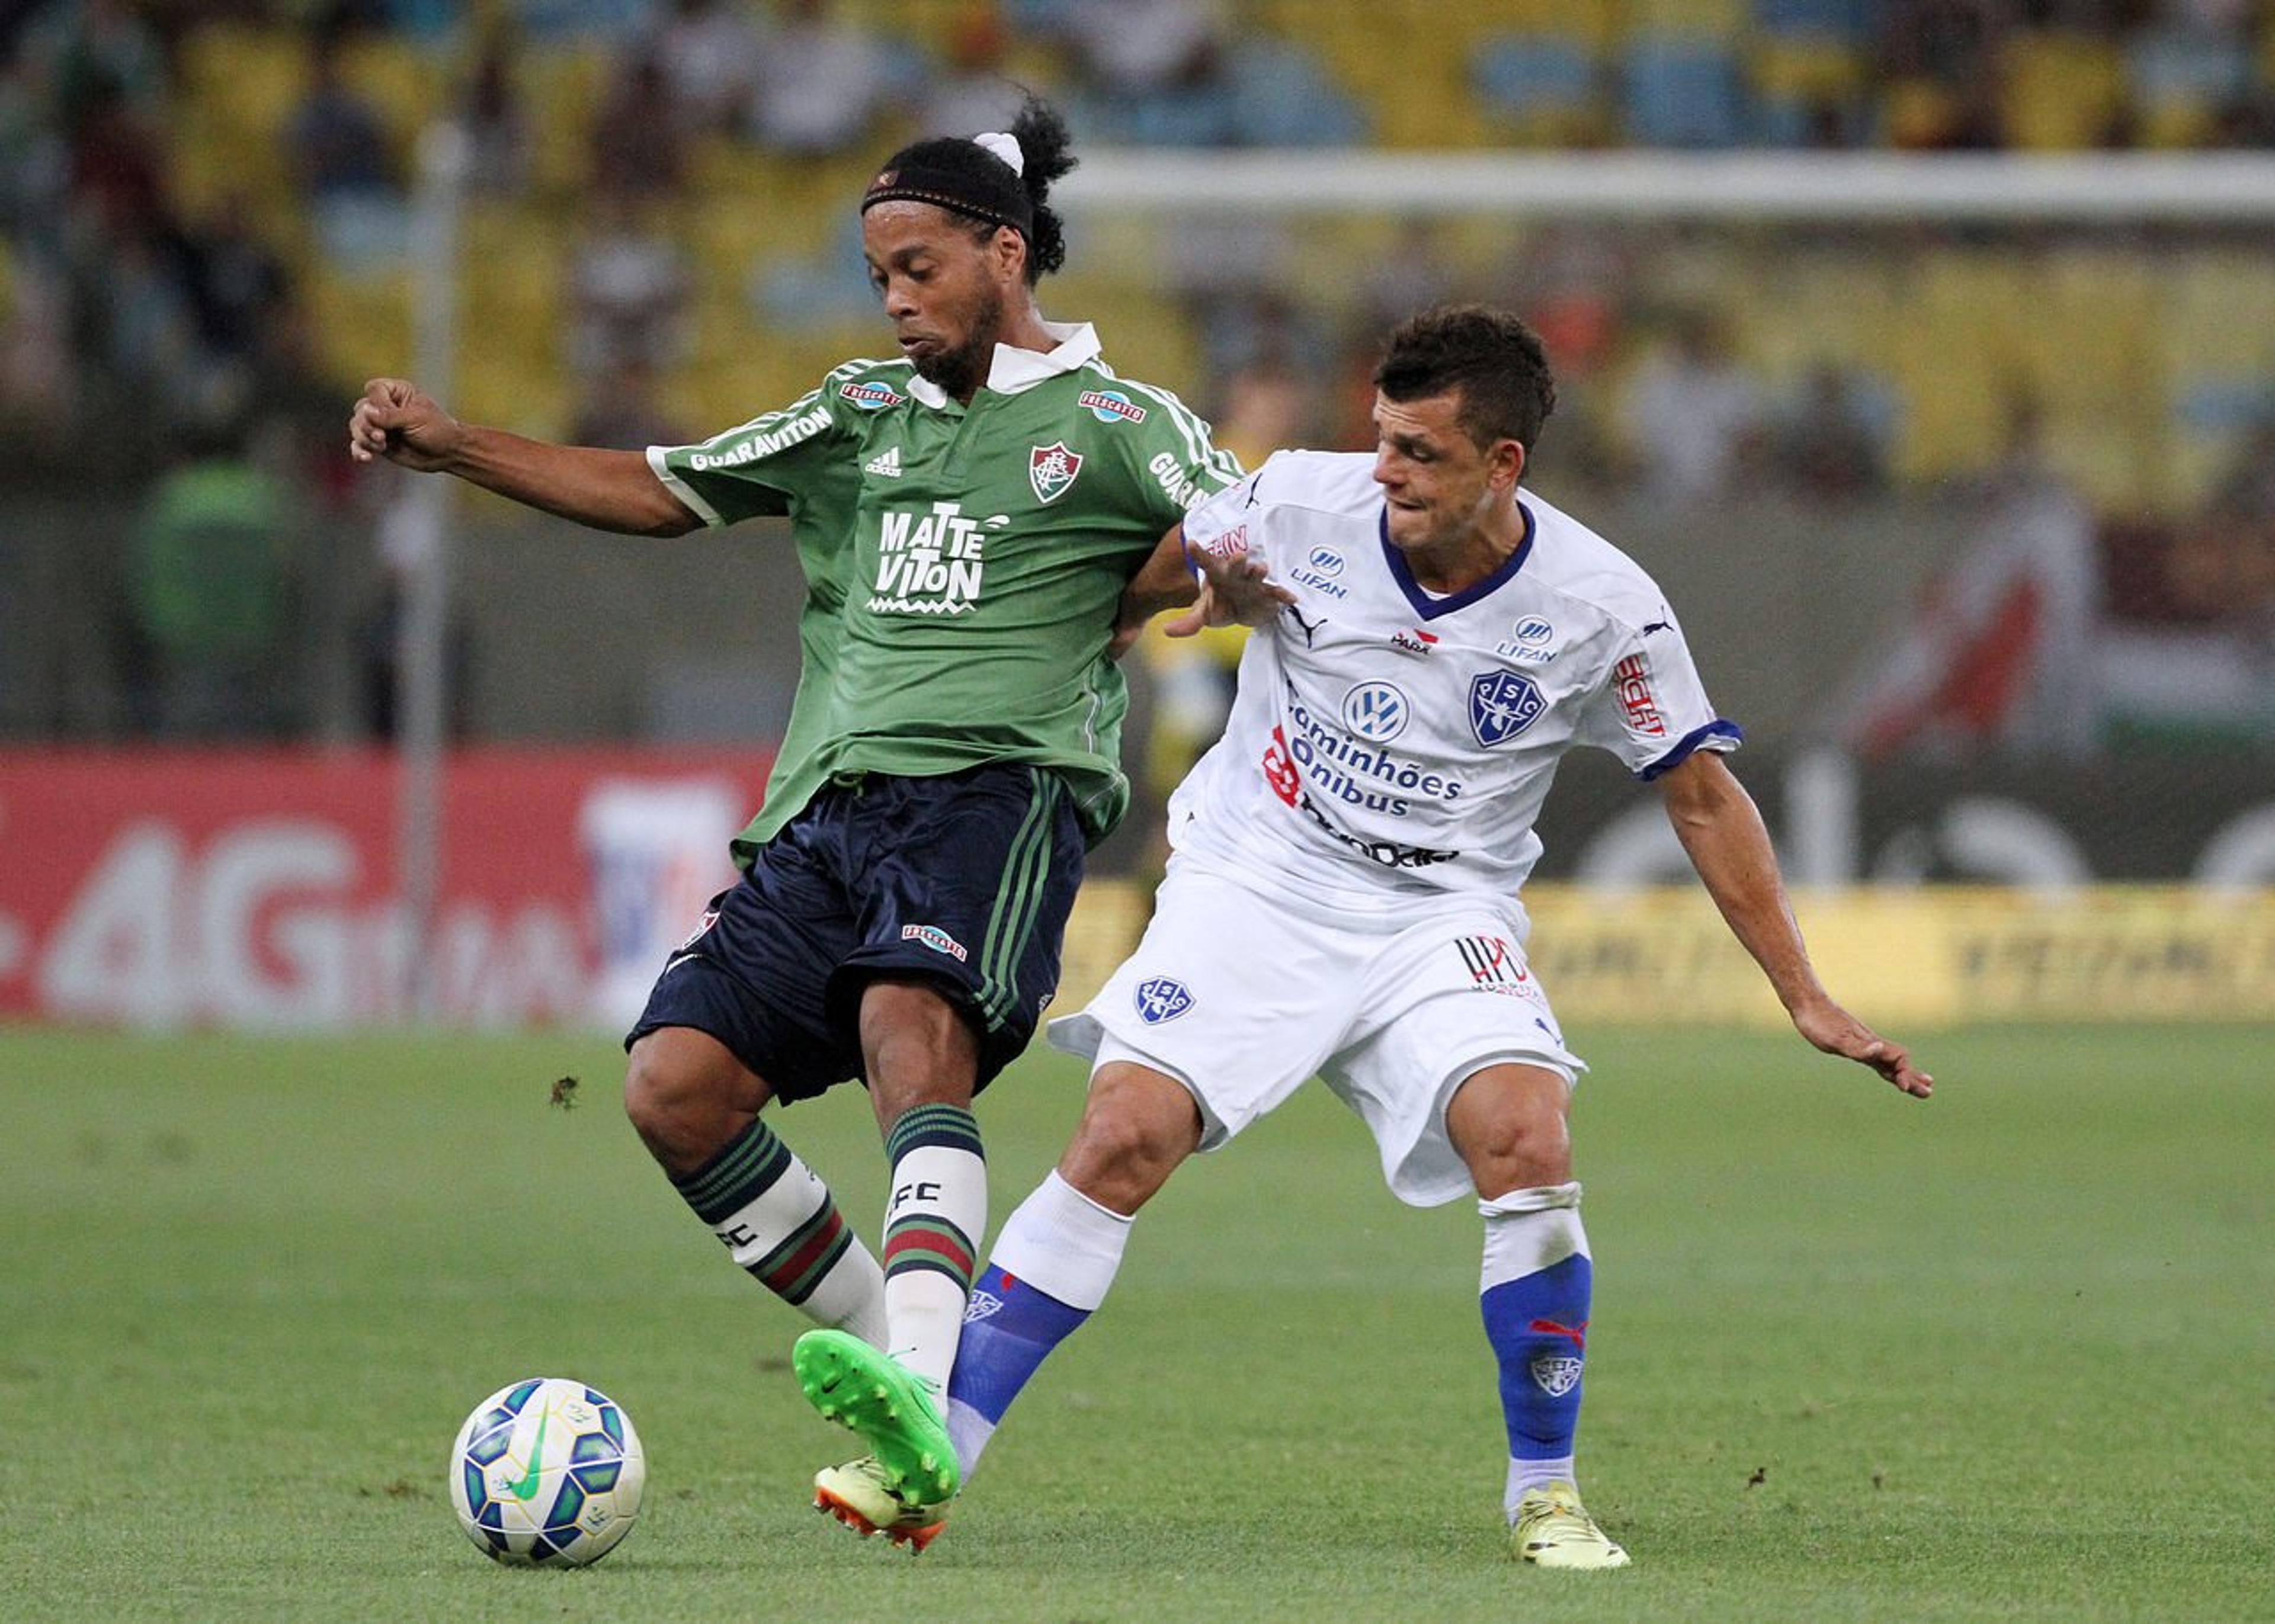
(2006, 1354)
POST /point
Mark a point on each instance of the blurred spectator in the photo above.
(2002, 653)
(619, 411)
(210, 594)
(1829, 441)
(233, 279)
(116, 169)
(1692, 416)
(496, 120)
(1573, 285)
(1268, 406)
(35, 166)
(296, 407)
(713, 54)
(93, 51)
(639, 146)
(38, 380)
(971, 92)
(1141, 48)
(1940, 72)
(345, 164)
(1417, 273)
(337, 140)
(628, 285)
(144, 349)
(821, 85)
(1157, 71)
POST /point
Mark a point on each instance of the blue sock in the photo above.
(1072, 1246)
(1009, 1329)
(1537, 1326)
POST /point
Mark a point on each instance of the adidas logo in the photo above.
(889, 464)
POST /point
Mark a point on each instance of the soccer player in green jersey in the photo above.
(968, 515)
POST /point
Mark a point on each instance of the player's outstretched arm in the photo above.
(608, 490)
(1721, 831)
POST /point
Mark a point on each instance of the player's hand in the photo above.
(1235, 590)
(1836, 1031)
(395, 421)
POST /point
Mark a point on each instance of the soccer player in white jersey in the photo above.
(1342, 896)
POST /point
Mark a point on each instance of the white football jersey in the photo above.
(1386, 746)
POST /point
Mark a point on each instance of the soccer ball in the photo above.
(548, 1471)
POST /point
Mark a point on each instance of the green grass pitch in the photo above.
(2006, 1355)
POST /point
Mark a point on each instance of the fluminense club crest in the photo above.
(1051, 469)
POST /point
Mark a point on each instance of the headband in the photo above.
(929, 173)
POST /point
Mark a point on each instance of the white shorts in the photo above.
(1242, 1002)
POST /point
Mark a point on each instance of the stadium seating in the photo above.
(2063, 91)
(1682, 91)
(2127, 364)
(1544, 91)
(2180, 78)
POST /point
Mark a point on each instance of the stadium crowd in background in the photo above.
(157, 281)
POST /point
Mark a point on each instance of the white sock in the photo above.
(937, 1213)
(1062, 1243)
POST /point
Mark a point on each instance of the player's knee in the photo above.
(650, 1096)
(1514, 1138)
(680, 1111)
(917, 1046)
(1136, 1129)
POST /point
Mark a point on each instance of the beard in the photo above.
(959, 372)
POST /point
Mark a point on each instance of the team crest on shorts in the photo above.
(983, 1305)
(1502, 705)
(710, 918)
(1051, 470)
(1161, 999)
(1557, 1374)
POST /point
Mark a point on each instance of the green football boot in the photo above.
(1553, 1530)
(897, 1412)
(858, 1495)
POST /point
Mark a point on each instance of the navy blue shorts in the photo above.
(964, 881)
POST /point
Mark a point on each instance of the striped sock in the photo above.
(932, 1224)
(779, 1223)
(1536, 1283)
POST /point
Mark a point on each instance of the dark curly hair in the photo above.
(1496, 361)
(958, 174)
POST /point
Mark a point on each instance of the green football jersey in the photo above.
(798, 461)
(981, 553)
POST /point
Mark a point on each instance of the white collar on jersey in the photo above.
(1015, 369)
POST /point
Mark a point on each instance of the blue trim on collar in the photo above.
(1428, 605)
(1698, 739)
